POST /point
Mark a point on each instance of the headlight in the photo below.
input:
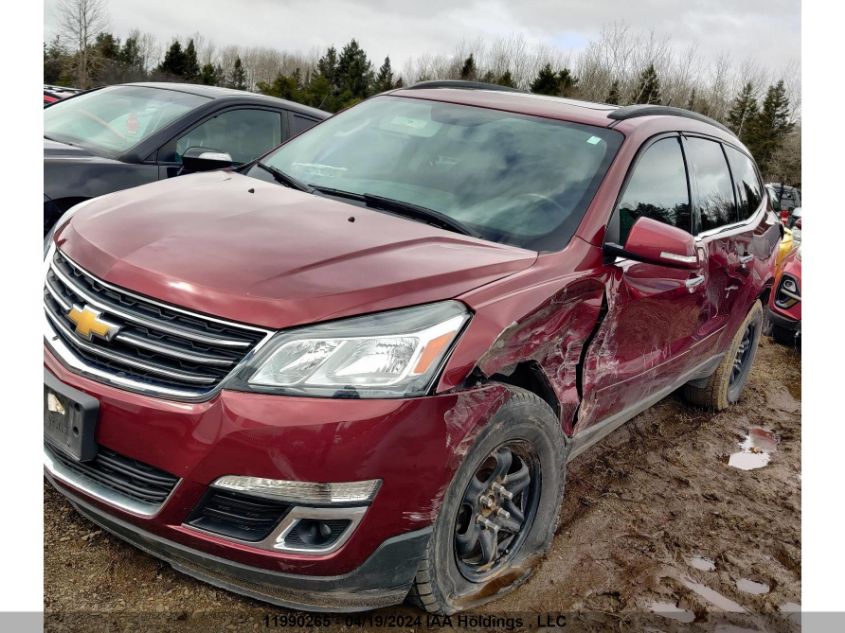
(384, 355)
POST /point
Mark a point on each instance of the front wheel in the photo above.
(724, 386)
(500, 511)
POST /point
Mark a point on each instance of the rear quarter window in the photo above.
(749, 189)
(301, 123)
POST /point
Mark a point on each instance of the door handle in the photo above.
(695, 281)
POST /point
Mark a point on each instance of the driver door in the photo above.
(654, 330)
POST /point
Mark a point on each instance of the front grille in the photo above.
(162, 348)
(236, 515)
(124, 475)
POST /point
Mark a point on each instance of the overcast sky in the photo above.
(766, 30)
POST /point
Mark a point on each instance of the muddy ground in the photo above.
(639, 509)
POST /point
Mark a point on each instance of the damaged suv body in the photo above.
(353, 371)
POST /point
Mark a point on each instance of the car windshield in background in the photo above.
(111, 120)
(514, 179)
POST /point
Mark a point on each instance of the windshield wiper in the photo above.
(340, 193)
(283, 179)
(399, 207)
(417, 212)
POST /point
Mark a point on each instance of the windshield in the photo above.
(515, 179)
(111, 120)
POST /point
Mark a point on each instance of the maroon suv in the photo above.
(354, 370)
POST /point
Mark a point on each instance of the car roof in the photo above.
(218, 92)
(624, 118)
(517, 102)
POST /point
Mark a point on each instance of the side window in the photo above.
(657, 189)
(244, 134)
(301, 123)
(749, 191)
(715, 189)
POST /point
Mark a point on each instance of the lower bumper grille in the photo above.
(237, 515)
(123, 475)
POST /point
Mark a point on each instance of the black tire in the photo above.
(783, 335)
(528, 428)
(724, 386)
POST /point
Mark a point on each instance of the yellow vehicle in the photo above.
(787, 245)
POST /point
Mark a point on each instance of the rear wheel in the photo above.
(724, 386)
(500, 512)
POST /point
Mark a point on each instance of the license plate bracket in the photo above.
(70, 419)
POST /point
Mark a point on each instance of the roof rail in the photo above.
(645, 109)
(461, 84)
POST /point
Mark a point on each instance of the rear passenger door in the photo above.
(724, 240)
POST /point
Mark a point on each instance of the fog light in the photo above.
(315, 534)
(318, 494)
(317, 530)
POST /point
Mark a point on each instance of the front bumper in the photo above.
(782, 321)
(383, 579)
(413, 446)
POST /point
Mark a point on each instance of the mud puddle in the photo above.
(756, 449)
(752, 587)
(701, 563)
(671, 611)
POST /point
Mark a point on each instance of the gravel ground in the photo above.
(659, 528)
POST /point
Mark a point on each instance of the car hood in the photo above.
(239, 248)
(56, 150)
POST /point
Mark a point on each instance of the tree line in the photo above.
(620, 67)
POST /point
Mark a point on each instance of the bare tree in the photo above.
(80, 21)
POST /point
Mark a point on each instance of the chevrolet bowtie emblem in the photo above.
(88, 323)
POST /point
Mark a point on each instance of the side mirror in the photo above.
(204, 159)
(657, 243)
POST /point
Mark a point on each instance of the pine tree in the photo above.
(174, 60)
(769, 128)
(283, 86)
(191, 69)
(384, 78)
(107, 46)
(743, 111)
(238, 80)
(568, 82)
(613, 96)
(506, 79)
(327, 66)
(468, 70)
(211, 75)
(547, 82)
(648, 90)
(55, 61)
(130, 54)
(354, 73)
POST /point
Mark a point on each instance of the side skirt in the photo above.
(587, 438)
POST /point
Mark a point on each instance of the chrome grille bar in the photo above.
(157, 348)
(107, 306)
(126, 360)
(175, 352)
